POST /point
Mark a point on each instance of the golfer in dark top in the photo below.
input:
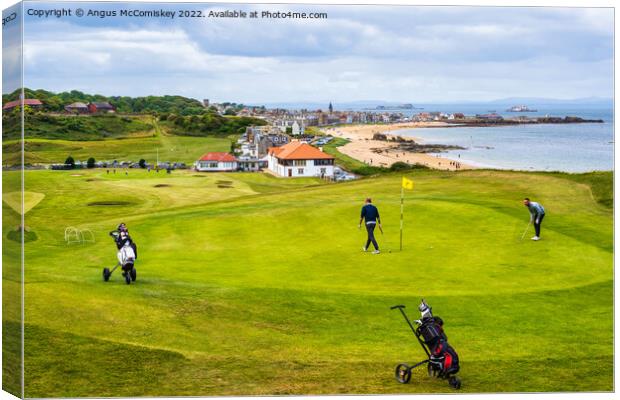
(537, 213)
(370, 214)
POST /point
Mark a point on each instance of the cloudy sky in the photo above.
(402, 54)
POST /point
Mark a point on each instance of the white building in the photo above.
(299, 159)
(216, 162)
(248, 148)
(297, 129)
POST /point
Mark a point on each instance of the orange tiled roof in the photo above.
(299, 151)
(218, 156)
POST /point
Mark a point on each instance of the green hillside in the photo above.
(51, 139)
(78, 128)
(208, 124)
(55, 102)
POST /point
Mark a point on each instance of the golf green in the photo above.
(254, 285)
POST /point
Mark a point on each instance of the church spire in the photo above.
(331, 107)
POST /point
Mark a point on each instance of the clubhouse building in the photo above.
(216, 162)
(299, 159)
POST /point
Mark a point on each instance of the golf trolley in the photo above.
(442, 360)
(126, 258)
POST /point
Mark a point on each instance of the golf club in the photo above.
(526, 229)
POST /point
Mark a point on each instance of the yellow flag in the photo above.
(407, 183)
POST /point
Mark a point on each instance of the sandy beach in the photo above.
(381, 153)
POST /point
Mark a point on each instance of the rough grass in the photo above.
(601, 184)
(84, 127)
(262, 288)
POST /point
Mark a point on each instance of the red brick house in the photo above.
(100, 107)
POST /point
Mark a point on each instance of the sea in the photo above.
(579, 147)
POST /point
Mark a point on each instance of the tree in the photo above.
(142, 163)
(53, 103)
(70, 162)
(230, 111)
(90, 163)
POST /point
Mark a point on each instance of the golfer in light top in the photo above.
(371, 215)
(537, 213)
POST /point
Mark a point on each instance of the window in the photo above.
(299, 163)
(300, 171)
(323, 162)
(323, 171)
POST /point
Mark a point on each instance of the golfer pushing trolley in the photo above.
(370, 214)
(127, 255)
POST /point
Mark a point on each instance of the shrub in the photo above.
(400, 166)
(403, 166)
(368, 170)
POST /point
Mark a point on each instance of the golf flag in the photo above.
(407, 183)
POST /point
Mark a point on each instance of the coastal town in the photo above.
(290, 142)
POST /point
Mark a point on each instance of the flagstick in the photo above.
(402, 197)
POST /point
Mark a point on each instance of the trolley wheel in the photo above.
(127, 278)
(403, 373)
(133, 274)
(106, 274)
(454, 382)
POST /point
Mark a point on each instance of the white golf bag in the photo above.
(126, 255)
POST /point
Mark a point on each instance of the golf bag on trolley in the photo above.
(442, 361)
(126, 255)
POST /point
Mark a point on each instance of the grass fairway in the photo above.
(249, 284)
